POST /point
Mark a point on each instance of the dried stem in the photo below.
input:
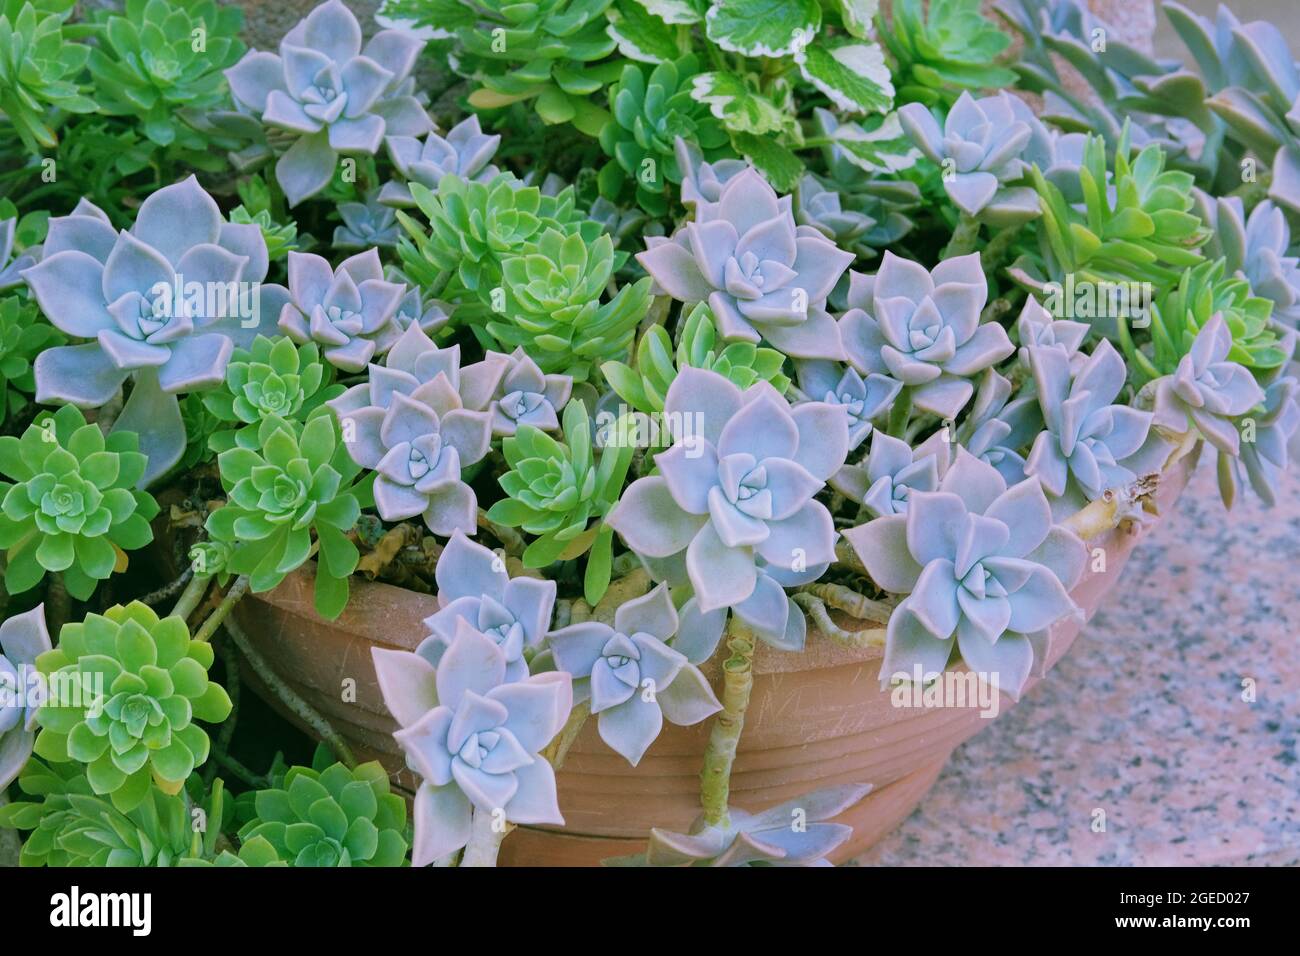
(815, 607)
(724, 737)
(851, 602)
(169, 589)
(288, 696)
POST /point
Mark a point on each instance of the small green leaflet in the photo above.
(781, 167)
(854, 75)
(641, 35)
(740, 108)
(672, 11)
(769, 28)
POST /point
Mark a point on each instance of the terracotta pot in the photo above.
(815, 719)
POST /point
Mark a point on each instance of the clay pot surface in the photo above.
(815, 719)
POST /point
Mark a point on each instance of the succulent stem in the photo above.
(850, 602)
(191, 596)
(237, 591)
(724, 738)
(965, 237)
(484, 840)
(815, 607)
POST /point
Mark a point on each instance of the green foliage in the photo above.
(944, 50)
(38, 70)
(299, 480)
(652, 107)
(1202, 292)
(24, 334)
(1137, 224)
(281, 238)
(334, 817)
(644, 386)
(273, 379)
(126, 688)
(552, 304)
(73, 507)
(157, 59)
(556, 487)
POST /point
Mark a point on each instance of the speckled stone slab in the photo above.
(1145, 718)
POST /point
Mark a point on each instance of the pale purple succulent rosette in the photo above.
(466, 151)
(922, 327)
(1088, 443)
(769, 838)
(1037, 326)
(349, 312)
(409, 422)
(475, 587)
(11, 270)
(528, 396)
(632, 677)
(734, 500)
(893, 470)
(998, 426)
(1207, 390)
(985, 571)
(366, 225)
(328, 96)
(23, 638)
(1257, 248)
(1262, 461)
(763, 276)
(864, 399)
(120, 289)
(978, 147)
(473, 737)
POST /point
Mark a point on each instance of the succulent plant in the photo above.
(798, 832)
(549, 53)
(999, 428)
(863, 399)
(430, 315)
(922, 327)
(979, 150)
(23, 336)
(298, 480)
(38, 70)
(12, 260)
(1038, 327)
(1208, 390)
(554, 488)
(134, 686)
(1201, 294)
(71, 826)
(652, 108)
(280, 238)
(473, 737)
(466, 151)
(1256, 248)
(892, 471)
(23, 638)
(1087, 439)
(552, 304)
(734, 498)
(985, 572)
(272, 378)
(73, 507)
(702, 181)
(632, 678)
(366, 224)
(824, 210)
(164, 305)
(324, 95)
(474, 586)
(644, 386)
(528, 396)
(1261, 461)
(762, 276)
(943, 50)
(1137, 224)
(335, 817)
(350, 311)
(157, 58)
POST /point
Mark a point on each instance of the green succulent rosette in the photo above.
(71, 505)
(332, 817)
(39, 69)
(125, 691)
(23, 336)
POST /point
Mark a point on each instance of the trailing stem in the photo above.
(168, 590)
(192, 596)
(724, 738)
(965, 237)
(485, 838)
(558, 748)
(288, 696)
(237, 591)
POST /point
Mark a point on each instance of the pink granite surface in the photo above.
(1144, 718)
